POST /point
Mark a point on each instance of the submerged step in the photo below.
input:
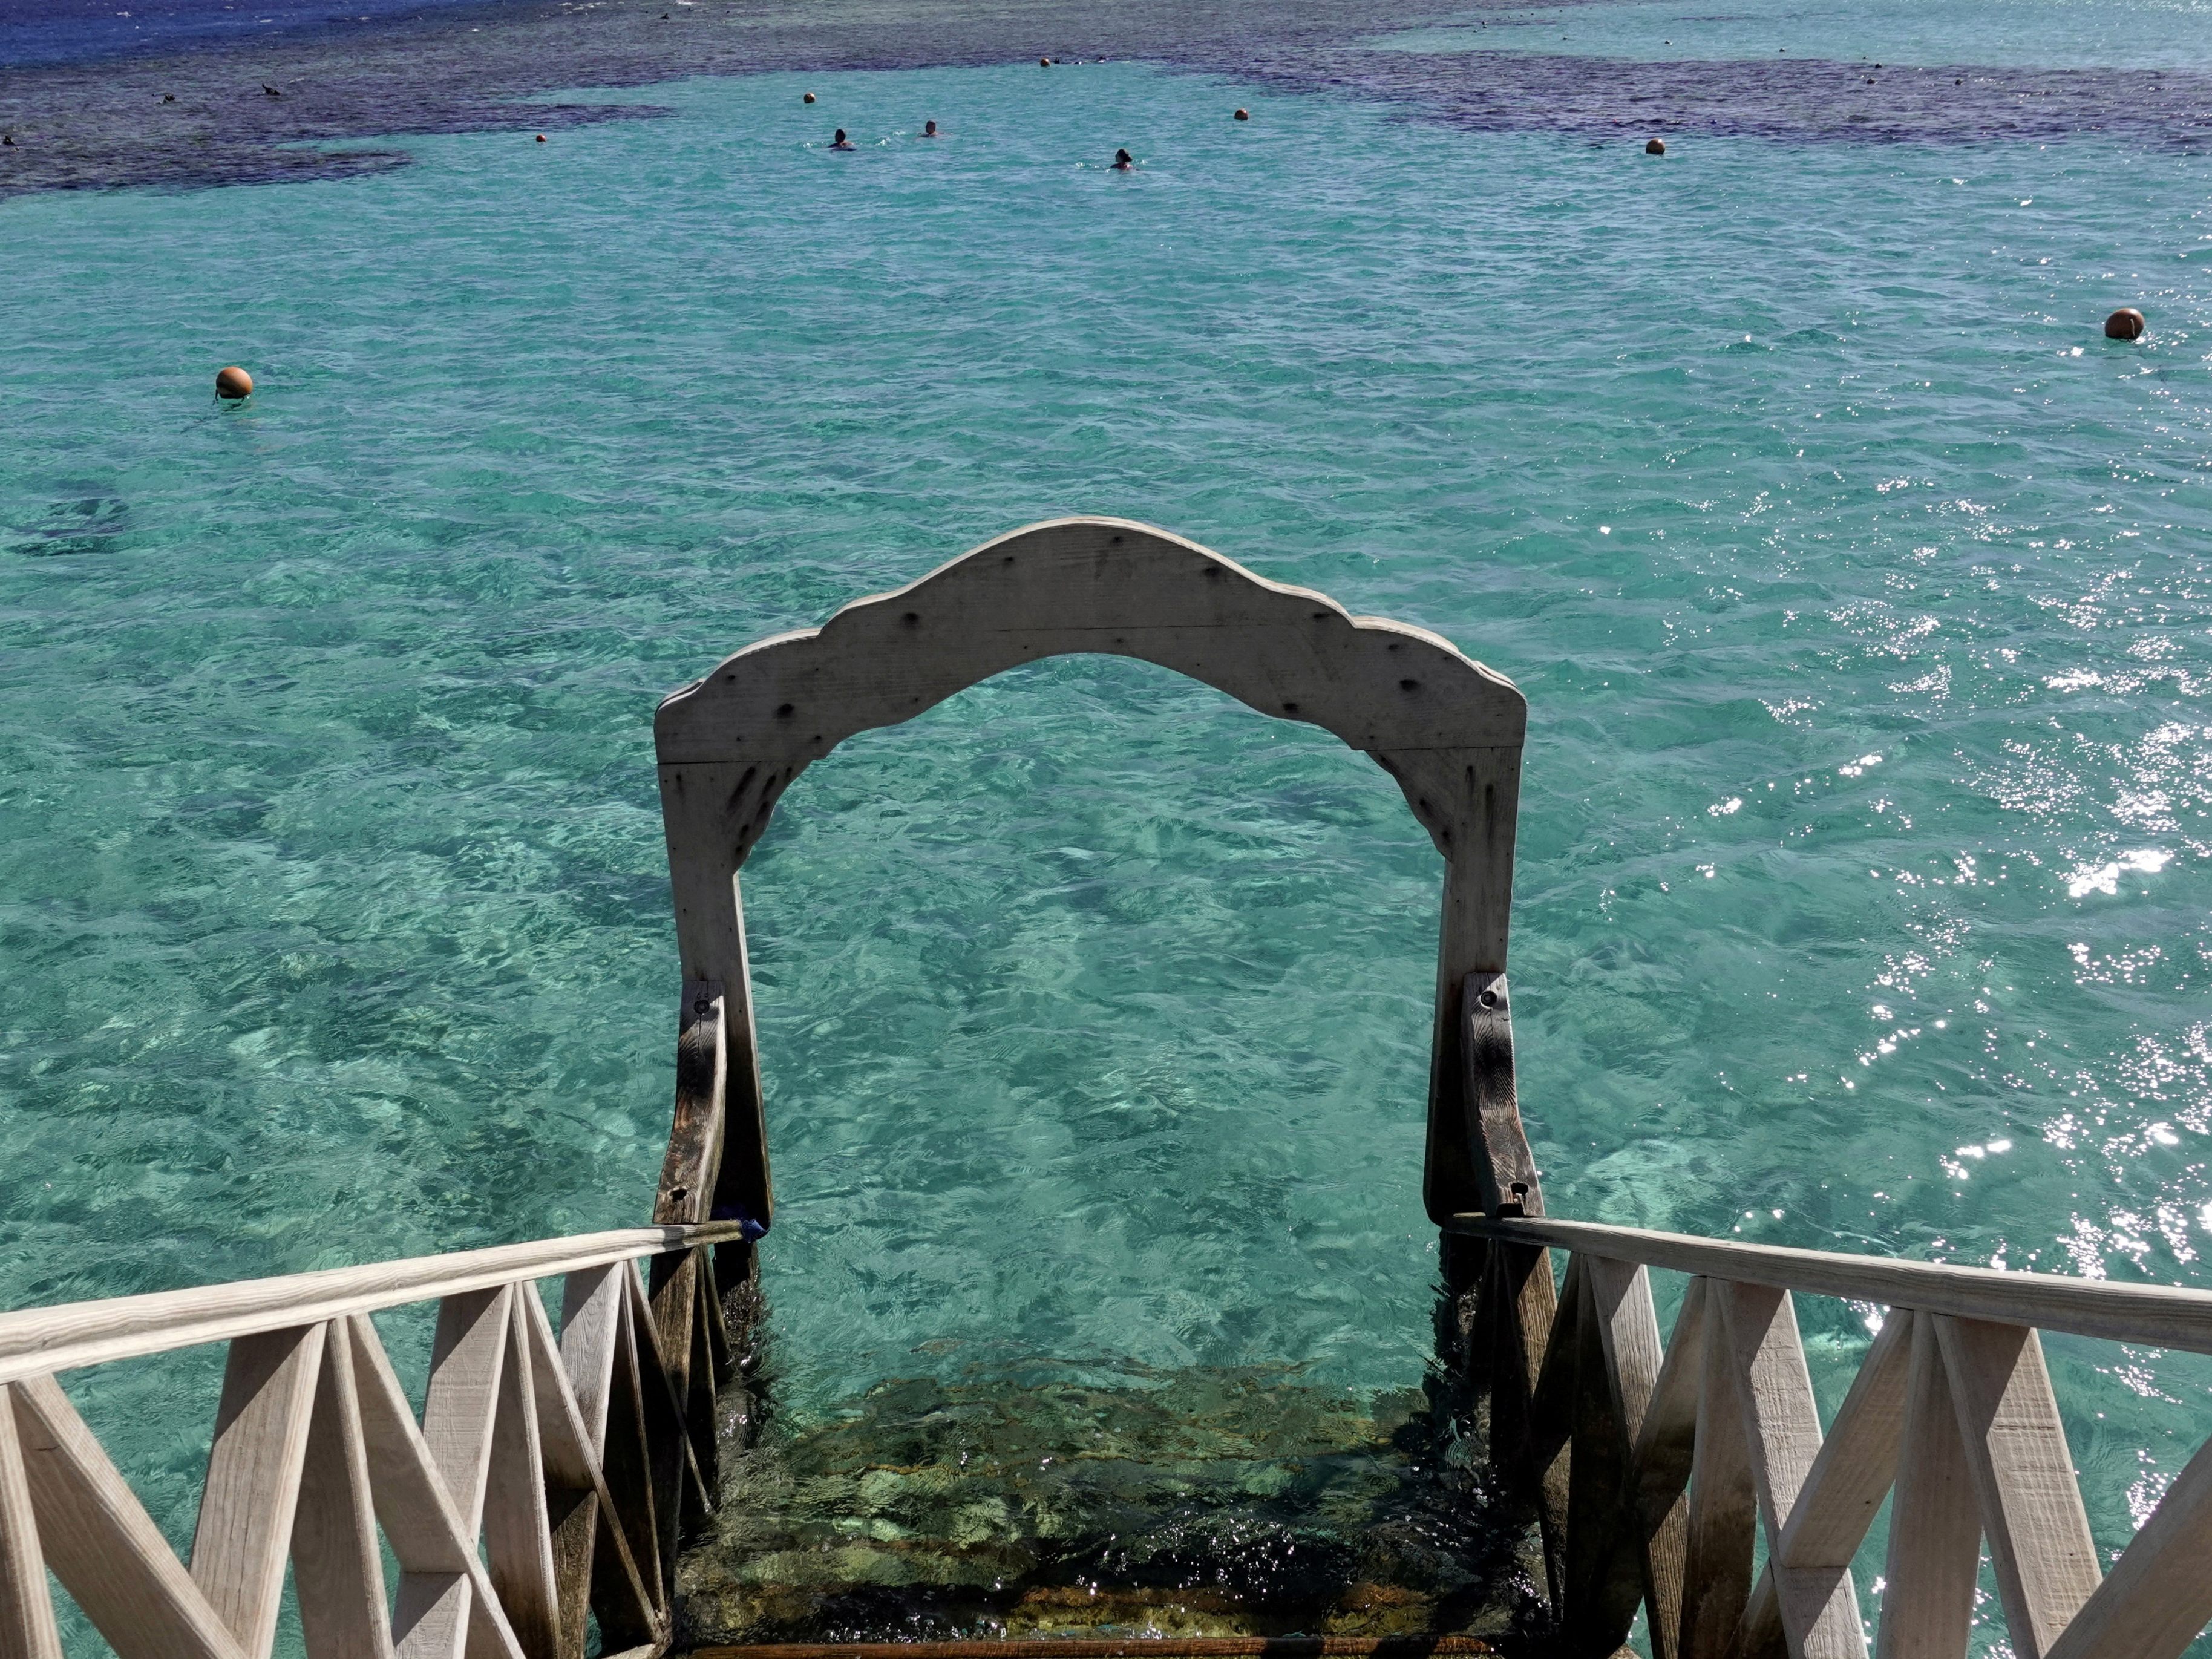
(1242, 1503)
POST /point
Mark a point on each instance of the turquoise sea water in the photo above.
(1861, 590)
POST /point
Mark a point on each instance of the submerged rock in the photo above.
(1202, 1503)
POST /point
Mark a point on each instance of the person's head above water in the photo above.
(929, 129)
(841, 142)
(1123, 161)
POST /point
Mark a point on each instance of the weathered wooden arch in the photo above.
(1447, 728)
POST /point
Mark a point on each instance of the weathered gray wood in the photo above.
(2023, 1477)
(38, 1341)
(694, 1135)
(337, 1565)
(1782, 1432)
(518, 1536)
(588, 1548)
(679, 1485)
(1934, 1528)
(635, 1476)
(1628, 1328)
(432, 1613)
(1446, 729)
(453, 1595)
(1505, 1168)
(591, 1323)
(27, 1606)
(98, 1540)
(252, 1486)
(1665, 1444)
(1723, 1508)
(1852, 1471)
(1517, 1315)
(1605, 1575)
(2158, 1597)
(2161, 1314)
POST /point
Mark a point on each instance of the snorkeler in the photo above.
(841, 142)
(1123, 162)
(929, 129)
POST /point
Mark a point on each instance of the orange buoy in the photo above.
(1656, 147)
(233, 383)
(1044, 62)
(808, 98)
(2126, 323)
(1244, 114)
(541, 137)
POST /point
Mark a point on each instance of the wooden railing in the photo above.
(543, 1478)
(1649, 1469)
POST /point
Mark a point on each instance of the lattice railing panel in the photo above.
(1654, 1469)
(544, 1481)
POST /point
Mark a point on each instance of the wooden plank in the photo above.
(1551, 1401)
(2161, 1314)
(627, 1458)
(518, 1534)
(1782, 1432)
(1446, 729)
(588, 1548)
(1505, 1168)
(1660, 1466)
(2158, 1597)
(2023, 1477)
(591, 1321)
(1723, 1510)
(1517, 1319)
(1934, 1529)
(1628, 1327)
(337, 1565)
(453, 1596)
(1852, 1471)
(679, 1492)
(36, 1341)
(432, 1613)
(252, 1486)
(27, 1630)
(1143, 1647)
(98, 1540)
(1605, 1564)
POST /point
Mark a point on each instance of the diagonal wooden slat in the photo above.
(1934, 1529)
(518, 1538)
(27, 1605)
(1628, 1328)
(253, 1489)
(2158, 1597)
(2023, 1477)
(98, 1540)
(627, 1458)
(1782, 1433)
(593, 1562)
(1723, 1511)
(454, 1596)
(1620, 1363)
(1851, 1473)
(1604, 1580)
(1665, 1443)
(337, 1566)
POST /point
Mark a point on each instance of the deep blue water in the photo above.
(81, 31)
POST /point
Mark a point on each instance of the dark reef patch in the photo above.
(465, 68)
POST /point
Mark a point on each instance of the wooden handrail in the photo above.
(38, 1341)
(2164, 1315)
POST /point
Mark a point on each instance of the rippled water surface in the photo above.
(1860, 588)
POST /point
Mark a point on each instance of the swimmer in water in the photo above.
(1123, 162)
(929, 129)
(841, 142)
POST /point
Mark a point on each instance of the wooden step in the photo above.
(1157, 1647)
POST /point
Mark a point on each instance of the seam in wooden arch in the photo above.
(1446, 729)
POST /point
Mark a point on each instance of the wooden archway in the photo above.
(1448, 729)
